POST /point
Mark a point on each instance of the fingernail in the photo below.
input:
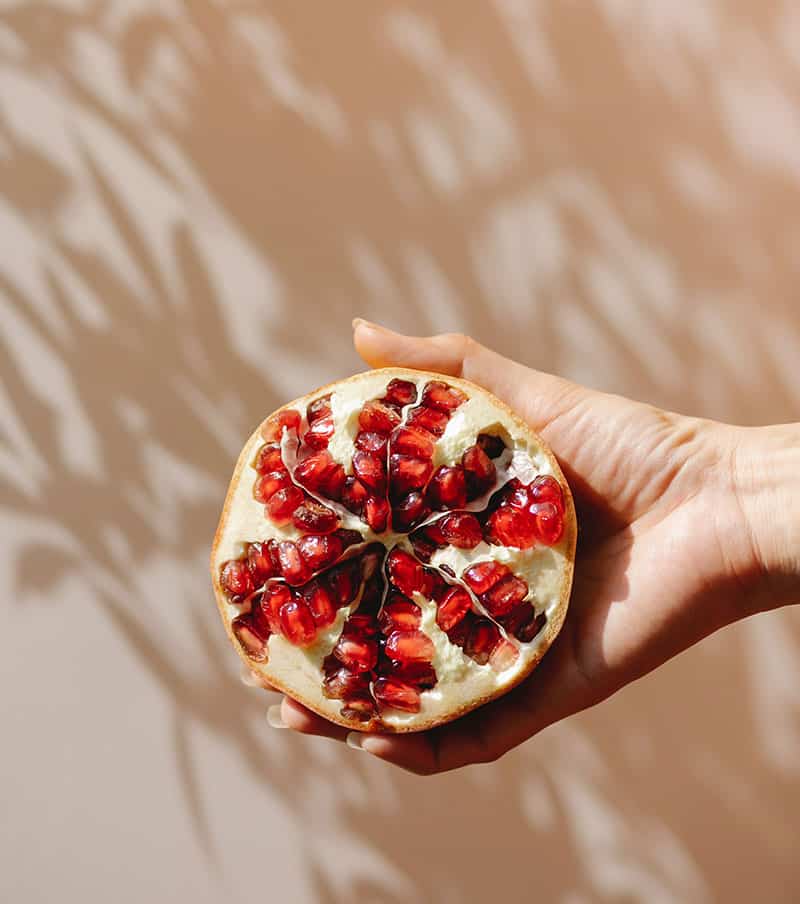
(355, 739)
(274, 717)
(359, 321)
(249, 678)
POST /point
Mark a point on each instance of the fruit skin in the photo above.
(311, 695)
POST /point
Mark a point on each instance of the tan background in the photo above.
(196, 199)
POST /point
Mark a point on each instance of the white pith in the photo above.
(459, 678)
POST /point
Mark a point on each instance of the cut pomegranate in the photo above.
(427, 485)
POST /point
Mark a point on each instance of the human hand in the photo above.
(677, 537)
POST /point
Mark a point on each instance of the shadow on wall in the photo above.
(197, 195)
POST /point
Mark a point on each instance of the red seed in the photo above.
(406, 573)
(319, 408)
(370, 470)
(372, 442)
(505, 595)
(314, 517)
(250, 636)
(492, 445)
(396, 695)
(549, 524)
(236, 579)
(376, 513)
(547, 489)
(407, 474)
(409, 646)
(274, 426)
(312, 470)
(345, 581)
(484, 575)
(377, 418)
(424, 418)
(413, 442)
(399, 614)
(356, 651)
(321, 603)
(480, 470)
(283, 503)
(354, 495)
(297, 623)
(483, 638)
(362, 624)
(448, 488)
(269, 459)
(515, 494)
(293, 565)
(460, 529)
(459, 634)
(401, 392)
(320, 550)
(455, 605)
(442, 396)
(275, 596)
(267, 485)
(410, 511)
(417, 674)
(521, 622)
(360, 707)
(260, 563)
(510, 526)
(319, 433)
(332, 483)
(503, 656)
(343, 683)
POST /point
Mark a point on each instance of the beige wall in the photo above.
(195, 198)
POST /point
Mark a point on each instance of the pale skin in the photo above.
(686, 525)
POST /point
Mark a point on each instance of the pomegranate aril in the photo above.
(375, 417)
(344, 580)
(333, 483)
(515, 494)
(267, 485)
(458, 635)
(250, 636)
(236, 579)
(275, 596)
(314, 517)
(362, 624)
(521, 622)
(320, 550)
(442, 396)
(370, 470)
(354, 495)
(455, 605)
(400, 392)
(312, 470)
(297, 623)
(448, 488)
(410, 511)
(483, 638)
(293, 566)
(511, 526)
(400, 614)
(260, 563)
(356, 651)
(503, 656)
(372, 442)
(406, 573)
(505, 595)
(283, 503)
(547, 489)
(480, 471)
(418, 674)
(492, 445)
(376, 513)
(424, 418)
(319, 433)
(343, 683)
(407, 474)
(273, 428)
(409, 646)
(484, 575)
(549, 523)
(360, 707)
(319, 408)
(396, 695)
(459, 529)
(410, 441)
(269, 459)
(321, 603)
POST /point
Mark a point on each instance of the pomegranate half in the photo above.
(396, 549)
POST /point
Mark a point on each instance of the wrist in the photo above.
(765, 475)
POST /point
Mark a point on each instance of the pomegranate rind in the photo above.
(305, 685)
